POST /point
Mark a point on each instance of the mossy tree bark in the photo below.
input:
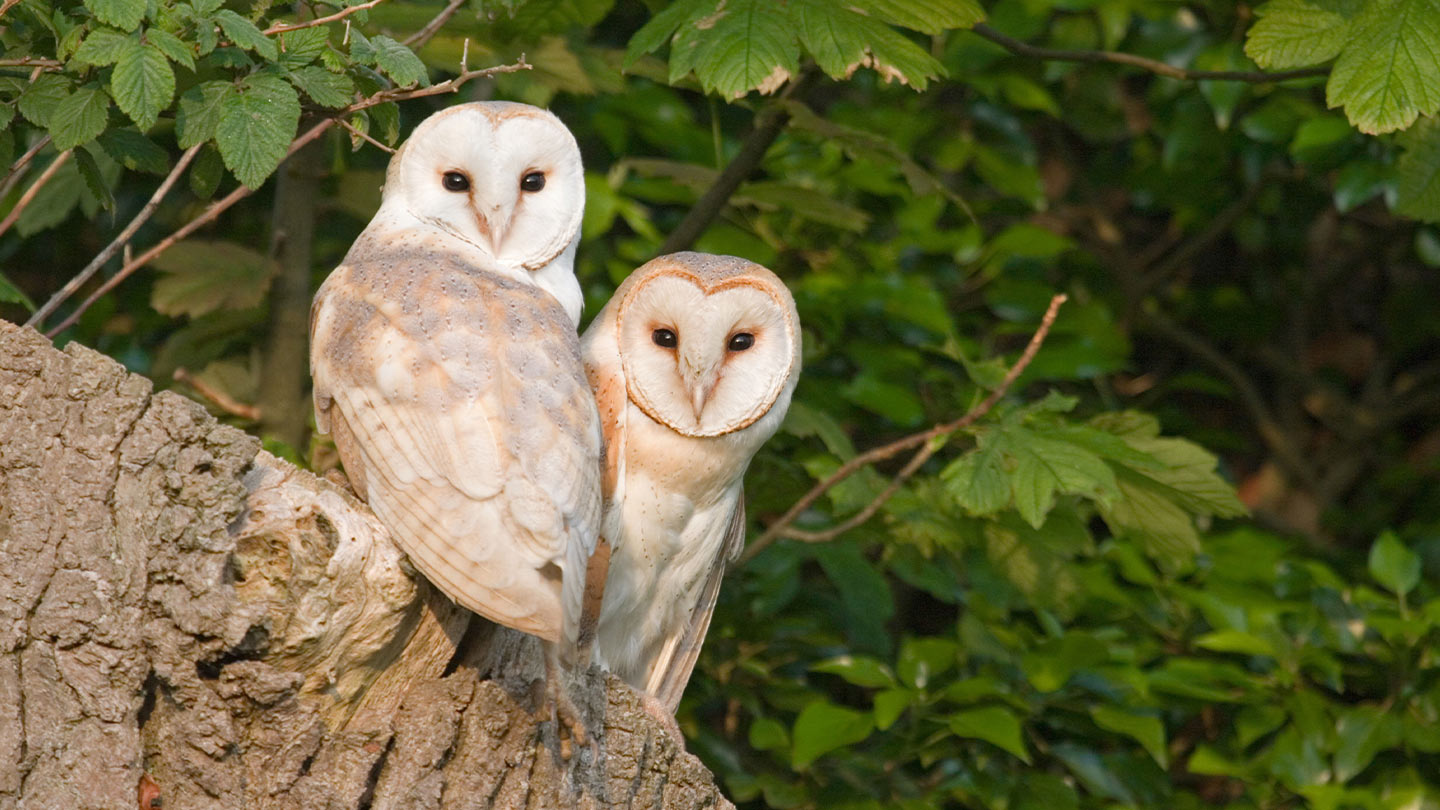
(185, 616)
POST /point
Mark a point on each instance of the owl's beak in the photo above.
(492, 226)
(699, 384)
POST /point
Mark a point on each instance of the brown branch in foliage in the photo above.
(418, 39)
(361, 135)
(339, 15)
(220, 206)
(117, 243)
(34, 189)
(216, 397)
(1019, 48)
(30, 61)
(929, 442)
(7, 5)
(18, 167)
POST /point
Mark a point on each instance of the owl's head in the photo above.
(503, 178)
(709, 344)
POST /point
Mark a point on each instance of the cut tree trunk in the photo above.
(183, 616)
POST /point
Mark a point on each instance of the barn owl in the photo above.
(693, 363)
(447, 366)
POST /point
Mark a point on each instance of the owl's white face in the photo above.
(707, 357)
(505, 179)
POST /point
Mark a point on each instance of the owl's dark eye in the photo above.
(740, 341)
(534, 181)
(664, 338)
(455, 181)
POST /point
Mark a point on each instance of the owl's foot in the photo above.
(663, 716)
(564, 713)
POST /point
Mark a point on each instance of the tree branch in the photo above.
(418, 39)
(929, 442)
(117, 243)
(30, 61)
(218, 398)
(16, 169)
(339, 15)
(29, 195)
(1019, 48)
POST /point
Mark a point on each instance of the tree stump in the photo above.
(184, 616)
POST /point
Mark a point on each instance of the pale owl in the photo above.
(448, 370)
(693, 363)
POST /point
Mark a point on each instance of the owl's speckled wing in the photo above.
(461, 410)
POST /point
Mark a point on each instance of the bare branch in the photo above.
(357, 133)
(29, 195)
(418, 39)
(447, 86)
(339, 15)
(6, 6)
(929, 442)
(117, 243)
(30, 61)
(215, 396)
(1019, 48)
(17, 168)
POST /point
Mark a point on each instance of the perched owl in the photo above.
(693, 363)
(448, 369)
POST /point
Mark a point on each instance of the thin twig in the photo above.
(418, 39)
(218, 398)
(1019, 48)
(339, 15)
(357, 133)
(929, 442)
(29, 195)
(117, 243)
(17, 168)
(219, 207)
(7, 5)
(31, 61)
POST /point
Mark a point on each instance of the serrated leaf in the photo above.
(256, 127)
(243, 33)
(925, 16)
(134, 151)
(170, 45)
(385, 121)
(39, 101)
(199, 112)
(996, 725)
(303, 45)
(103, 46)
(823, 727)
(94, 180)
(123, 14)
(10, 294)
(1143, 728)
(1044, 467)
(327, 89)
(661, 27)
(399, 62)
(977, 480)
(1385, 76)
(1418, 191)
(203, 276)
(79, 118)
(206, 172)
(1393, 565)
(843, 41)
(142, 83)
(1296, 33)
(1144, 513)
(745, 45)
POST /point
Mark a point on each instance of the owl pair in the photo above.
(500, 448)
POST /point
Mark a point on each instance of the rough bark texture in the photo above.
(180, 608)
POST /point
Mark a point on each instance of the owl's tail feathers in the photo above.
(596, 571)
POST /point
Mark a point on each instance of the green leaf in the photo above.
(399, 62)
(925, 16)
(143, 83)
(103, 46)
(747, 45)
(890, 704)
(1385, 76)
(134, 151)
(256, 127)
(41, 98)
(977, 480)
(94, 179)
(206, 172)
(61, 196)
(661, 27)
(243, 33)
(859, 670)
(199, 112)
(823, 727)
(10, 294)
(203, 276)
(79, 118)
(304, 45)
(1296, 33)
(1143, 728)
(1363, 732)
(1418, 192)
(996, 725)
(767, 734)
(1044, 468)
(123, 14)
(170, 45)
(843, 41)
(1394, 565)
(327, 89)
